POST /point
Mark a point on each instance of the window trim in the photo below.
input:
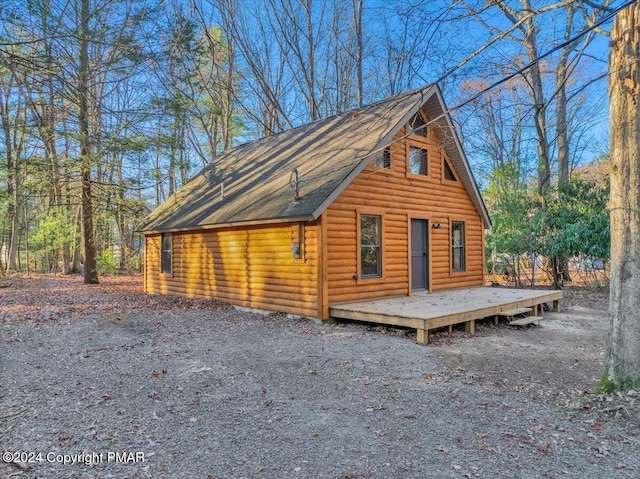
(426, 165)
(424, 125)
(166, 264)
(447, 163)
(462, 247)
(385, 154)
(381, 246)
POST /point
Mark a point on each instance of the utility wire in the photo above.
(493, 85)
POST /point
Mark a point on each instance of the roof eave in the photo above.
(230, 224)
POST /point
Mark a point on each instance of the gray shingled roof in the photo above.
(327, 154)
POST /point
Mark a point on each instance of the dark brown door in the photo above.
(419, 255)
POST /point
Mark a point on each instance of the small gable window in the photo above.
(448, 172)
(384, 159)
(457, 246)
(370, 246)
(418, 125)
(417, 160)
(166, 254)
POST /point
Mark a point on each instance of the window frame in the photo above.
(166, 254)
(419, 121)
(426, 160)
(385, 156)
(461, 247)
(380, 246)
(446, 164)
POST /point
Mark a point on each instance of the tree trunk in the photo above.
(90, 271)
(12, 176)
(562, 128)
(228, 97)
(622, 367)
(76, 262)
(49, 139)
(357, 23)
(562, 123)
(311, 63)
(68, 248)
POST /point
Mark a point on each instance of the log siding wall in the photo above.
(401, 196)
(252, 267)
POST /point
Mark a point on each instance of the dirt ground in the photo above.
(106, 382)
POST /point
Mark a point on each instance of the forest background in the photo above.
(108, 106)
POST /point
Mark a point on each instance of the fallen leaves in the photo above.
(42, 298)
(603, 450)
(544, 447)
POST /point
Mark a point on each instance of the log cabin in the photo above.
(375, 202)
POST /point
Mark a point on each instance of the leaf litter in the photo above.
(198, 386)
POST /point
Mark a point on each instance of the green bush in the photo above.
(106, 262)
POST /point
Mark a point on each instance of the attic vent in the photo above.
(295, 184)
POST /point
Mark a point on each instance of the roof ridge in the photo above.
(396, 97)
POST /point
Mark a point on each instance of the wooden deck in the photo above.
(424, 311)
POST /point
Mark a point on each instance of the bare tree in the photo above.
(300, 60)
(264, 99)
(357, 9)
(13, 120)
(90, 272)
(526, 23)
(497, 126)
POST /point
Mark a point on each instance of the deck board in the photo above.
(425, 311)
(527, 320)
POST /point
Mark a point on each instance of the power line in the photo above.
(550, 52)
(610, 14)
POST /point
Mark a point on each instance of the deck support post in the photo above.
(470, 327)
(495, 320)
(535, 310)
(423, 336)
(556, 306)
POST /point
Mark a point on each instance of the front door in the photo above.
(419, 255)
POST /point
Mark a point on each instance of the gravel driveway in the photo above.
(116, 384)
